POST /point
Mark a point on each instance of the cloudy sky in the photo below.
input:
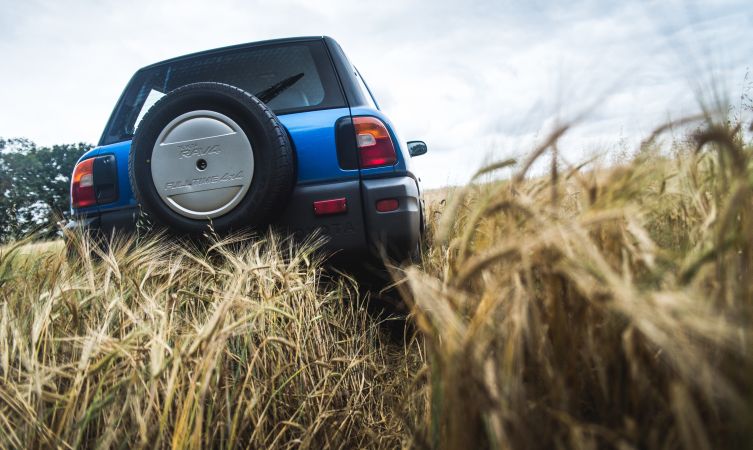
(475, 79)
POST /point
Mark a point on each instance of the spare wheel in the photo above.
(211, 154)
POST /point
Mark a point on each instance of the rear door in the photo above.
(309, 106)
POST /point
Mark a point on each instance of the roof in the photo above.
(236, 47)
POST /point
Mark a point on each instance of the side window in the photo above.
(366, 92)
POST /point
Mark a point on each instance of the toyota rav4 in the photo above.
(281, 133)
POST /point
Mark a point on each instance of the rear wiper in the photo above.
(268, 94)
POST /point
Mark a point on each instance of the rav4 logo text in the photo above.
(212, 179)
(194, 149)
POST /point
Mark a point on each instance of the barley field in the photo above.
(586, 308)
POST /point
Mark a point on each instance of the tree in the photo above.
(34, 185)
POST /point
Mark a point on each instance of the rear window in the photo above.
(252, 69)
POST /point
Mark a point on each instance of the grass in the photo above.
(585, 309)
(245, 344)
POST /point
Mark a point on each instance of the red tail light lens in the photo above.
(375, 146)
(82, 185)
(328, 207)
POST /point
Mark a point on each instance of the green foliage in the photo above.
(34, 185)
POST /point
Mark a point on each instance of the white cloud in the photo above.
(468, 77)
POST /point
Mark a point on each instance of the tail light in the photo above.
(374, 143)
(82, 185)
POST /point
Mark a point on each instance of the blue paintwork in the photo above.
(90, 154)
(121, 150)
(313, 135)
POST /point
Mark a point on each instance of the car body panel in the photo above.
(313, 138)
(121, 151)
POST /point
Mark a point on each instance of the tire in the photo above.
(211, 154)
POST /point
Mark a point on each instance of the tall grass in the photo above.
(590, 308)
(593, 309)
(244, 344)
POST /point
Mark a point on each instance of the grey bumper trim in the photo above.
(399, 231)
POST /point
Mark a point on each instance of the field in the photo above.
(588, 308)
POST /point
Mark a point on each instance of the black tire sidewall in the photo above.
(273, 174)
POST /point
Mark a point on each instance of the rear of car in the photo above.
(352, 179)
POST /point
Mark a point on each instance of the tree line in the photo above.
(35, 186)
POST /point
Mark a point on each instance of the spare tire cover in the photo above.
(210, 153)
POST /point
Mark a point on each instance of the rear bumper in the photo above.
(357, 232)
(122, 220)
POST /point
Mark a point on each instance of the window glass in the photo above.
(252, 69)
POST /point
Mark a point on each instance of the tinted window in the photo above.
(252, 69)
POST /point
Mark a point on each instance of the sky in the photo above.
(477, 80)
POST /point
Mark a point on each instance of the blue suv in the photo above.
(281, 133)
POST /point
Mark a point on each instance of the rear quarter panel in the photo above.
(313, 137)
(126, 199)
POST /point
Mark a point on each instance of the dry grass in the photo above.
(595, 309)
(586, 309)
(242, 345)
